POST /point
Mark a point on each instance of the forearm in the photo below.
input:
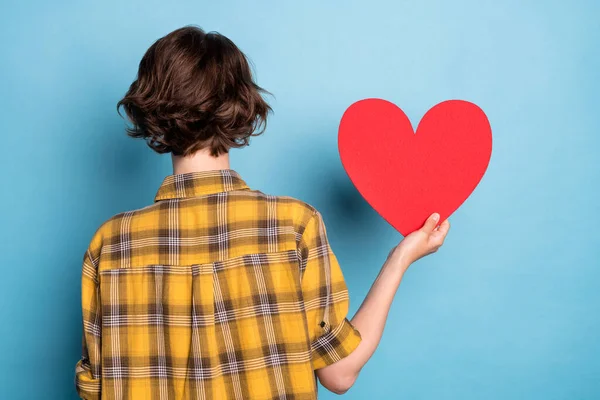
(372, 315)
(370, 321)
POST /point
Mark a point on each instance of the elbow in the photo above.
(340, 390)
(340, 384)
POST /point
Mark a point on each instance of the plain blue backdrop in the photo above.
(508, 309)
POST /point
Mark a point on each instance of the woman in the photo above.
(217, 291)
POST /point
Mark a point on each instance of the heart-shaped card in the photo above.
(406, 175)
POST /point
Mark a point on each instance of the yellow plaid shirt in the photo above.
(214, 291)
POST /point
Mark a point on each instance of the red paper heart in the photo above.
(406, 176)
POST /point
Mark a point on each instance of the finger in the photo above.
(442, 230)
(431, 223)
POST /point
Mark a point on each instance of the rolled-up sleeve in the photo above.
(88, 368)
(325, 296)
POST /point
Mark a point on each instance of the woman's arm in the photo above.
(370, 318)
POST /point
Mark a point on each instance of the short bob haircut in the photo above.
(194, 90)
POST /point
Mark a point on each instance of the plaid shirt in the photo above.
(215, 291)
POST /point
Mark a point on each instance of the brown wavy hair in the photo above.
(194, 90)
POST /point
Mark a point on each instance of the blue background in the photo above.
(510, 306)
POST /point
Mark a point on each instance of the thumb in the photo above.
(431, 223)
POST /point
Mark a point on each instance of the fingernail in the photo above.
(436, 217)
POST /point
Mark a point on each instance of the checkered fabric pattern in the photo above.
(214, 291)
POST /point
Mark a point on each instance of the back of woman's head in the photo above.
(194, 90)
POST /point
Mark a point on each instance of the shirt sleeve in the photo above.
(325, 297)
(88, 368)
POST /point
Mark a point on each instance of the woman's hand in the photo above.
(421, 242)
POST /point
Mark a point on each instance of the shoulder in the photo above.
(112, 228)
(296, 211)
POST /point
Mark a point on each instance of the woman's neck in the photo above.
(199, 161)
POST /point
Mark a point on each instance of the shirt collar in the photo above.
(199, 183)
